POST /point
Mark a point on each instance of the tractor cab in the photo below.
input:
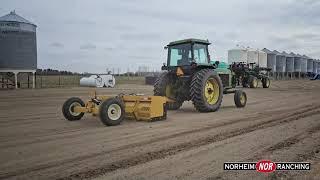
(188, 54)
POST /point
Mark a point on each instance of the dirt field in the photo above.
(281, 124)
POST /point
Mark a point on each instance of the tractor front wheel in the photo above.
(206, 90)
(163, 87)
(240, 98)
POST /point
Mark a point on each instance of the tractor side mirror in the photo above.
(166, 47)
(217, 63)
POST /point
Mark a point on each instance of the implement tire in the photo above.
(206, 90)
(253, 82)
(162, 88)
(68, 106)
(112, 112)
(266, 82)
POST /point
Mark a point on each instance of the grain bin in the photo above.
(297, 62)
(263, 59)
(309, 64)
(280, 62)
(303, 63)
(271, 59)
(253, 56)
(289, 62)
(18, 46)
(315, 66)
(237, 55)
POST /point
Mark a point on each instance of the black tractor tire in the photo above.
(240, 99)
(68, 106)
(112, 111)
(253, 82)
(160, 90)
(197, 90)
(266, 82)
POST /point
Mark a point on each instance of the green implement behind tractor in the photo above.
(249, 75)
(190, 75)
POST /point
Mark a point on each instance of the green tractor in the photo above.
(190, 75)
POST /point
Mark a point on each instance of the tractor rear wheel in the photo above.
(253, 82)
(265, 82)
(206, 90)
(163, 87)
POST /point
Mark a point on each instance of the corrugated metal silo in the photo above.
(18, 47)
(271, 59)
(315, 66)
(297, 62)
(253, 56)
(280, 62)
(309, 64)
(289, 62)
(263, 59)
(237, 55)
(303, 63)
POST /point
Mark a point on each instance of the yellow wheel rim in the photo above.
(212, 91)
(242, 99)
(255, 83)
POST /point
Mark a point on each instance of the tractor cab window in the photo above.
(180, 55)
(200, 53)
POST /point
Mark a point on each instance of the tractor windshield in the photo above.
(179, 55)
(182, 55)
(200, 53)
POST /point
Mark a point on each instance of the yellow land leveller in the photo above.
(113, 109)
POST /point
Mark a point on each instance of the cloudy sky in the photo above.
(93, 35)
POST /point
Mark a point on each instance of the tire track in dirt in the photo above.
(287, 143)
(217, 125)
(144, 158)
(140, 159)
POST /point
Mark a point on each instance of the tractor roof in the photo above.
(189, 41)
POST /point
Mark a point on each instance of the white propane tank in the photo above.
(98, 81)
(108, 80)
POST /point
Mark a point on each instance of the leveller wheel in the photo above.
(68, 109)
(240, 98)
(112, 112)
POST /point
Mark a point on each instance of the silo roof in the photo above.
(267, 51)
(13, 17)
(278, 53)
(307, 57)
(293, 54)
(287, 55)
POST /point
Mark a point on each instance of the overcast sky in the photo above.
(93, 35)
